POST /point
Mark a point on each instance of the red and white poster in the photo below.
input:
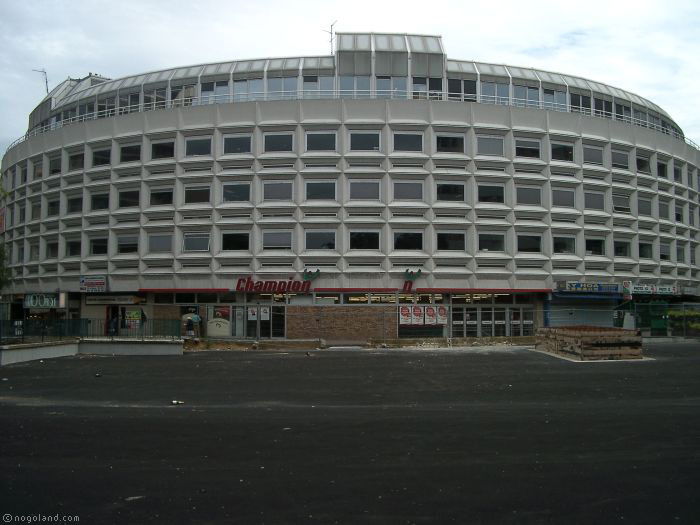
(430, 315)
(416, 314)
(405, 314)
(442, 314)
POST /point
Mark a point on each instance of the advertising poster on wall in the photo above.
(417, 315)
(405, 314)
(132, 317)
(252, 313)
(430, 315)
(264, 313)
(442, 314)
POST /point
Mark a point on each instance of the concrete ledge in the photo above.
(10, 354)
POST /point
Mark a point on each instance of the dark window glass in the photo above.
(54, 165)
(237, 144)
(277, 191)
(75, 205)
(564, 152)
(160, 243)
(320, 141)
(320, 190)
(279, 142)
(620, 159)
(73, 248)
(320, 240)
(564, 245)
(234, 241)
(161, 197)
(408, 190)
(529, 243)
(450, 192)
(470, 90)
(53, 208)
(663, 210)
(194, 195)
(408, 142)
(564, 198)
(595, 247)
(643, 165)
(644, 207)
(661, 170)
(100, 202)
(490, 193)
(129, 198)
(529, 196)
(364, 141)
(52, 250)
(490, 146)
(527, 148)
(130, 153)
(408, 241)
(491, 242)
(594, 201)
(102, 157)
(277, 240)
(196, 243)
(621, 203)
(622, 249)
(665, 251)
(128, 244)
(76, 161)
(163, 150)
(364, 190)
(450, 241)
(448, 144)
(592, 155)
(236, 192)
(98, 246)
(195, 147)
(364, 240)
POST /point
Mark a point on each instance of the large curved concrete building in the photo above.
(270, 193)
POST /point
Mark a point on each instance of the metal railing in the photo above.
(207, 99)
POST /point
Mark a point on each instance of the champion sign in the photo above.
(246, 284)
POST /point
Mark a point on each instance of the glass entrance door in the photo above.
(265, 321)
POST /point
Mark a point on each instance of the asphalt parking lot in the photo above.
(354, 437)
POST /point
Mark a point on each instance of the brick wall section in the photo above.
(342, 323)
(166, 311)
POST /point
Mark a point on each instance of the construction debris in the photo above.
(590, 343)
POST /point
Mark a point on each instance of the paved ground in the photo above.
(354, 437)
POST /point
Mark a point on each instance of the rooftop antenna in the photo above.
(331, 33)
(46, 78)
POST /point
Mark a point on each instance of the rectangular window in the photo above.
(163, 150)
(663, 210)
(364, 190)
(491, 193)
(661, 169)
(33, 252)
(320, 142)
(408, 241)
(36, 210)
(449, 144)
(73, 248)
(680, 254)
(22, 212)
(646, 250)
(562, 152)
(565, 245)
(197, 147)
(236, 192)
(277, 191)
(130, 153)
(677, 172)
(51, 250)
(161, 197)
(129, 199)
(277, 240)
(595, 247)
(408, 142)
(128, 244)
(527, 148)
(491, 242)
(53, 208)
(76, 161)
(665, 251)
(620, 159)
(622, 248)
(679, 213)
(196, 242)
(408, 190)
(643, 165)
(364, 240)
(490, 146)
(320, 191)
(160, 243)
(594, 201)
(621, 204)
(54, 166)
(101, 157)
(529, 243)
(563, 198)
(100, 202)
(364, 141)
(532, 196)
(196, 195)
(317, 240)
(237, 144)
(592, 155)
(450, 192)
(98, 246)
(279, 142)
(450, 241)
(235, 241)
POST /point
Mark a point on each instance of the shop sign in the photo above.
(409, 277)
(246, 284)
(650, 289)
(666, 289)
(93, 283)
(576, 286)
(111, 299)
(404, 314)
(44, 300)
(442, 314)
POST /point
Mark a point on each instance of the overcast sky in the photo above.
(649, 48)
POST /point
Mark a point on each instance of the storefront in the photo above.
(579, 303)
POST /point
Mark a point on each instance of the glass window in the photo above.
(101, 157)
(622, 248)
(365, 190)
(554, 99)
(98, 246)
(450, 241)
(408, 190)
(529, 243)
(318, 240)
(75, 205)
(450, 192)
(277, 240)
(73, 248)
(643, 164)
(364, 240)
(196, 242)
(129, 198)
(491, 193)
(408, 241)
(160, 243)
(595, 247)
(680, 253)
(663, 210)
(237, 144)
(491, 242)
(527, 148)
(620, 159)
(51, 250)
(76, 161)
(236, 192)
(564, 198)
(277, 191)
(279, 142)
(163, 150)
(592, 155)
(235, 241)
(196, 194)
(529, 195)
(594, 201)
(450, 144)
(128, 244)
(408, 142)
(54, 166)
(53, 208)
(677, 172)
(665, 251)
(525, 95)
(36, 210)
(562, 152)
(198, 146)
(490, 146)
(621, 203)
(161, 197)
(364, 141)
(320, 190)
(565, 245)
(21, 214)
(320, 142)
(100, 202)
(661, 169)
(130, 153)
(646, 250)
